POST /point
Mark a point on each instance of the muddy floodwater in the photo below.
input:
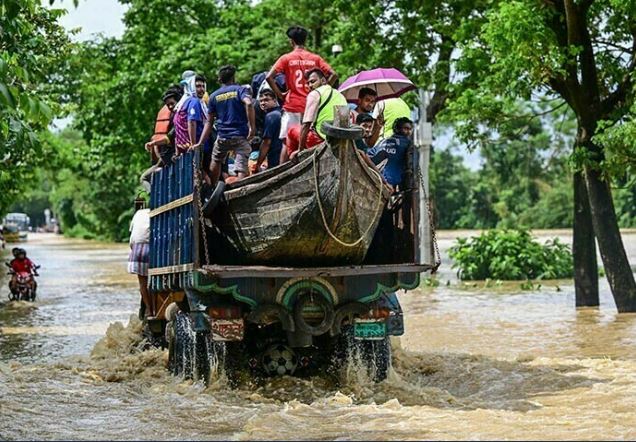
(476, 362)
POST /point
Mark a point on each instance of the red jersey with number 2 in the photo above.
(294, 65)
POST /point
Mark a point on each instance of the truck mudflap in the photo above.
(395, 320)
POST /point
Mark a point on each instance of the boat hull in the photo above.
(285, 216)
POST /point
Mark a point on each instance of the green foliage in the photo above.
(33, 47)
(625, 202)
(519, 185)
(510, 255)
(120, 82)
(492, 63)
(553, 209)
(451, 185)
(533, 50)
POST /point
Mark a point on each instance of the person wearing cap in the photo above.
(395, 150)
(161, 146)
(295, 65)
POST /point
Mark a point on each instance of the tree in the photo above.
(451, 187)
(120, 81)
(33, 47)
(583, 55)
(419, 37)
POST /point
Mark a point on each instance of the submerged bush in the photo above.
(510, 255)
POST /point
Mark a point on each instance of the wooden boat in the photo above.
(320, 210)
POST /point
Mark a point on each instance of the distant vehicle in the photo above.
(11, 233)
(21, 220)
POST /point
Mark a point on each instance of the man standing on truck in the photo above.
(295, 66)
(190, 114)
(231, 106)
(271, 145)
(319, 108)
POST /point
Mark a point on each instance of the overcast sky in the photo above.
(94, 17)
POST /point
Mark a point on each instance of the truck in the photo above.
(296, 269)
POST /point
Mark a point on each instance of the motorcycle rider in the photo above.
(21, 265)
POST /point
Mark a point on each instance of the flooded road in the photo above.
(475, 363)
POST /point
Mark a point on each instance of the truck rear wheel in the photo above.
(203, 346)
(375, 355)
(180, 345)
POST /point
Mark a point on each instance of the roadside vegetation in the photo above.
(510, 255)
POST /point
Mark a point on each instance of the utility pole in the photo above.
(423, 139)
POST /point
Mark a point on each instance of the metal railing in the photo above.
(173, 230)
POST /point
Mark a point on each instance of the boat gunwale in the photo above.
(254, 183)
(248, 188)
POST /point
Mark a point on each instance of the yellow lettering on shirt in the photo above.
(226, 96)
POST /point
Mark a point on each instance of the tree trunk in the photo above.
(584, 247)
(317, 38)
(617, 268)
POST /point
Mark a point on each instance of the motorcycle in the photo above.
(25, 287)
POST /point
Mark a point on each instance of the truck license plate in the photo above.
(369, 329)
(227, 329)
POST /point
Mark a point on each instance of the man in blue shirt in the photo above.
(365, 121)
(231, 106)
(272, 143)
(394, 149)
(196, 117)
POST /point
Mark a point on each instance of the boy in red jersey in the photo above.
(295, 65)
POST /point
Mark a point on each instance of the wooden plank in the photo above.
(170, 269)
(221, 271)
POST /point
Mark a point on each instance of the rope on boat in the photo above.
(378, 211)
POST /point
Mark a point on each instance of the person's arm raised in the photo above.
(271, 80)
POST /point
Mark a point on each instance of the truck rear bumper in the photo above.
(227, 272)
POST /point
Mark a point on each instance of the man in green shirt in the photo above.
(319, 108)
(391, 109)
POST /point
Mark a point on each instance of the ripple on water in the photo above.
(474, 364)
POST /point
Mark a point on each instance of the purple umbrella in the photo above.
(387, 82)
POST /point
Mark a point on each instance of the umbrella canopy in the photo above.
(387, 82)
